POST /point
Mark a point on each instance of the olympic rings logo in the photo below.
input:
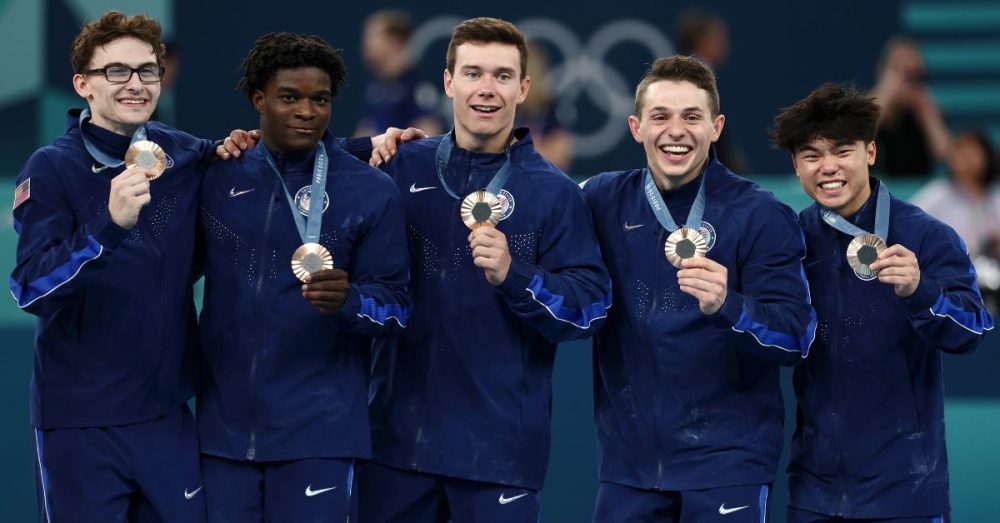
(583, 70)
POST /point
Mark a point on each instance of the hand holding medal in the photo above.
(326, 289)
(491, 253)
(706, 280)
(899, 267)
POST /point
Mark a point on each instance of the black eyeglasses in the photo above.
(120, 74)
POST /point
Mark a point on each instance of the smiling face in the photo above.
(676, 128)
(485, 90)
(294, 108)
(835, 174)
(120, 108)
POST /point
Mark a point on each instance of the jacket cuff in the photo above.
(519, 276)
(350, 309)
(732, 308)
(106, 231)
(360, 148)
(924, 297)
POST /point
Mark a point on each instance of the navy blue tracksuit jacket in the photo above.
(465, 391)
(282, 380)
(684, 400)
(870, 440)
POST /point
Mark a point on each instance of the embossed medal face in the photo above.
(481, 209)
(310, 258)
(147, 155)
(863, 250)
(684, 243)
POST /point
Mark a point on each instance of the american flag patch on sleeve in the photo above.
(22, 192)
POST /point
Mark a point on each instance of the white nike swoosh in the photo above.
(415, 189)
(723, 510)
(234, 193)
(504, 501)
(632, 227)
(95, 169)
(189, 495)
(310, 492)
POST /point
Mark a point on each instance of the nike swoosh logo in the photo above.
(189, 495)
(415, 189)
(632, 227)
(504, 501)
(723, 510)
(233, 193)
(95, 169)
(310, 492)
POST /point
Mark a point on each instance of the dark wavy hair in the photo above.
(276, 51)
(110, 27)
(836, 112)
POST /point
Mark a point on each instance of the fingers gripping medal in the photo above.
(684, 243)
(147, 155)
(863, 250)
(481, 209)
(310, 258)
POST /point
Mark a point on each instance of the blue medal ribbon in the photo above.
(308, 230)
(881, 217)
(96, 153)
(661, 211)
(444, 155)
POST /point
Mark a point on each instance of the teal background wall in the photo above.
(781, 49)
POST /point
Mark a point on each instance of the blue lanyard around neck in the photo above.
(96, 153)
(661, 211)
(444, 155)
(881, 217)
(308, 230)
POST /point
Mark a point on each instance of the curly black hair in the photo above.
(833, 111)
(275, 51)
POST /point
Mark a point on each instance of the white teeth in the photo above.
(133, 102)
(676, 149)
(833, 185)
(486, 108)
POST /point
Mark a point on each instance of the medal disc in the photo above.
(310, 258)
(863, 250)
(684, 243)
(481, 209)
(147, 155)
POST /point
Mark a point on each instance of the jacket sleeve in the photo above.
(768, 302)
(377, 303)
(947, 309)
(360, 148)
(56, 256)
(566, 293)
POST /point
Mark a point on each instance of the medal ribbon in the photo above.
(97, 154)
(308, 230)
(661, 211)
(444, 155)
(881, 217)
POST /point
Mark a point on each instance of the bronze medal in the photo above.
(310, 258)
(863, 251)
(481, 209)
(684, 243)
(147, 155)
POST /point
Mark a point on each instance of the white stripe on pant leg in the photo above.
(43, 477)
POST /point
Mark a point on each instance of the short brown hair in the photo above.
(112, 26)
(835, 112)
(680, 69)
(395, 23)
(485, 30)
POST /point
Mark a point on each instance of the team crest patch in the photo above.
(708, 232)
(22, 192)
(170, 161)
(506, 204)
(304, 197)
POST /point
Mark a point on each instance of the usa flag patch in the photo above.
(22, 192)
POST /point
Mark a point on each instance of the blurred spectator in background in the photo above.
(166, 108)
(969, 202)
(704, 35)
(912, 134)
(539, 112)
(398, 97)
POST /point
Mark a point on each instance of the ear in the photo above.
(871, 153)
(257, 99)
(523, 90)
(82, 86)
(447, 84)
(717, 125)
(795, 164)
(633, 125)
